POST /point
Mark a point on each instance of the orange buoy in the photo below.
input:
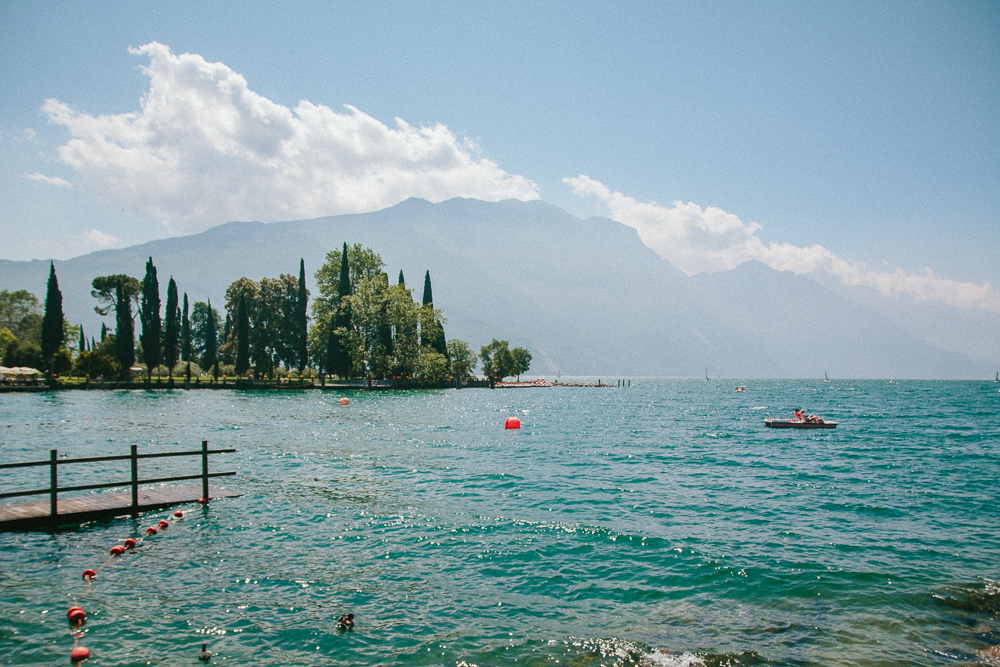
(512, 422)
(117, 550)
(203, 500)
(79, 654)
(178, 514)
(129, 543)
(77, 616)
(164, 523)
(151, 531)
(87, 574)
(344, 401)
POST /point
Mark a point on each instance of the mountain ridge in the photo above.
(586, 297)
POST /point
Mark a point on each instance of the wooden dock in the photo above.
(59, 510)
(80, 509)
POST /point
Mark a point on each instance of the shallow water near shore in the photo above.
(660, 524)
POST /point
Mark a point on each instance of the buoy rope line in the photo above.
(76, 615)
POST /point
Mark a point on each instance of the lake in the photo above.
(658, 524)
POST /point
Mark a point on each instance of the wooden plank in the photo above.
(80, 509)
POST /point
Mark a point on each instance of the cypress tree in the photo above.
(242, 338)
(83, 341)
(149, 315)
(172, 327)
(104, 332)
(52, 322)
(124, 331)
(402, 281)
(211, 357)
(338, 355)
(302, 319)
(428, 296)
(93, 344)
(185, 332)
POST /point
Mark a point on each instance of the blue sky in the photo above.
(867, 129)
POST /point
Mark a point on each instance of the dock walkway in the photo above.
(80, 509)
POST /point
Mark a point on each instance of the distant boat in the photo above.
(791, 423)
(826, 378)
(998, 377)
(706, 373)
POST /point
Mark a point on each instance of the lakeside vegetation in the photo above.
(358, 326)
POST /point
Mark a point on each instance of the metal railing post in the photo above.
(204, 469)
(53, 484)
(135, 481)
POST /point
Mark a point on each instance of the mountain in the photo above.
(586, 297)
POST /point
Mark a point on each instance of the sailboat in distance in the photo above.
(826, 378)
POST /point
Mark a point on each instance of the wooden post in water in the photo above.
(53, 484)
(135, 481)
(204, 469)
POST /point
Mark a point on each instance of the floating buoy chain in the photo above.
(75, 614)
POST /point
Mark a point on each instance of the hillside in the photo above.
(586, 297)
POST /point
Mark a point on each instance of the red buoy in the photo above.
(203, 500)
(164, 523)
(79, 654)
(151, 531)
(77, 616)
(117, 550)
(87, 574)
(69, 612)
(512, 422)
(129, 543)
(344, 401)
(178, 513)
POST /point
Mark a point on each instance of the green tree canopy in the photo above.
(337, 278)
(497, 360)
(21, 314)
(463, 359)
(520, 361)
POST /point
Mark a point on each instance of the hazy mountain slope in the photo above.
(808, 330)
(585, 296)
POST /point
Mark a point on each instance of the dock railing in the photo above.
(54, 462)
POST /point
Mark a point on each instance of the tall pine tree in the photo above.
(172, 328)
(185, 332)
(302, 319)
(338, 356)
(149, 315)
(124, 331)
(52, 322)
(83, 341)
(211, 356)
(431, 335)
(242, 337)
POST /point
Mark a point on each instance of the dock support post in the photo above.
(135, 481)
(53, 484)
(204, 469)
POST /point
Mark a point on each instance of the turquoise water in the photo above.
(660, 524)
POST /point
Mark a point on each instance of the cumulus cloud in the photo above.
(206, 149)
(698, 240)
(96, 239)
(48, 180)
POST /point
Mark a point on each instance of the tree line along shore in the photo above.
(360, 329)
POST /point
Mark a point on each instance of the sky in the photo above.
(854, 140)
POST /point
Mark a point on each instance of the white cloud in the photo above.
(206, 149)
(697, 240)
(49, 180)
(95, 239)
